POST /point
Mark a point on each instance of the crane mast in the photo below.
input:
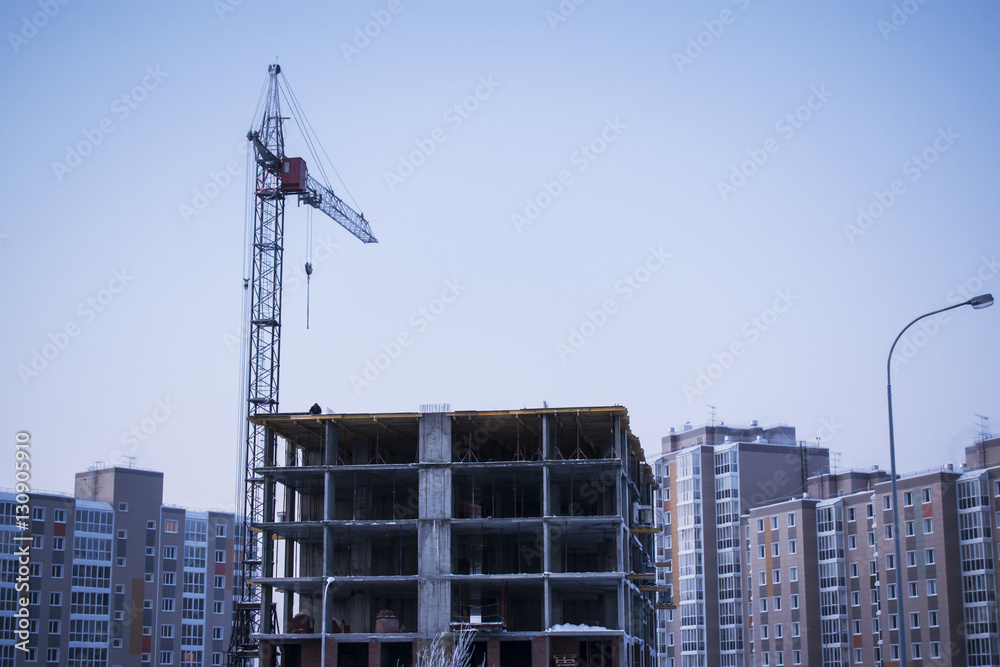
(275, 177)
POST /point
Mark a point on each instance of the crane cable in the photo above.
(305, 127)
(309, 256)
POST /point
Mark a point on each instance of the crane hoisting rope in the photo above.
(309, 257)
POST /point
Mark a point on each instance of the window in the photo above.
(855, 599)
(37, 541)
(851, 514)
(779, 658)
(220, 581)
(760, 551)
(875, 626)
(886, 502)
(52, 655)
(871, 538)
(925, 495)
(55, 599)
(911, 559)
(218, 607)
(792, 547)
(935, 649)
(856, 626)
(763, 608)
(852, 541)
(775, 549)
(869, 510)
(913, 589)
(119, 589)
(57, 571)
(119, 615)
(122, 534)
(776, 576)
(859, 656)
(909, 529)
(796, 657)
(891, 591)
(147, 631)
(150, 525)
(762, 578)
(777, 603)
(220, 556)
(765, 658)
(795, 600)
(147, 604)
(932, 618)
(59, 516)
(38, 513)
(169, 578)
(907, 498)
(123, 507)
(791, 519)
(220, 528)
(170, 526)
(932, 586)
(54, 627)
(915, 619)
(915, 650)
(854, 571)
(150, 551)
(774, 523)
(170, 552)
(890, 561)
(167, 604)
(760, 525)
(888, 531)
(35, 570)
(143, 657)
(893, 622)
(217, 632)
(928, 525)
(793, 574)
(166, 657)
(58, 543)
(764, 632)
(167, 631)
(217, 659)
(795, 628)
(120, 561)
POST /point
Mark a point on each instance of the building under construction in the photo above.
(532, 527)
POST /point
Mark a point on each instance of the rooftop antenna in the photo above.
(712, 412)
(983, 433)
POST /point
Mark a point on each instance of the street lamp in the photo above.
(322, 634)
(977, 302)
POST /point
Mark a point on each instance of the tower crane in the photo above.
(277, 178)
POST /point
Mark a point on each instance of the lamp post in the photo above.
(981, 301)
(322, 634)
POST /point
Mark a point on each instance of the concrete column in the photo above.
(329, 494)
(546, 450)
(434, 528)
(493, 652)
(267, 541)
(374, 653)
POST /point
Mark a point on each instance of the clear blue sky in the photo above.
(714, 154)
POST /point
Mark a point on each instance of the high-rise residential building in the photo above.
(533, 527)
(709, 478)
(115, 577)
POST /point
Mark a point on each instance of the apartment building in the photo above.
(116, 578)
(533, 527)
(709, 478)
